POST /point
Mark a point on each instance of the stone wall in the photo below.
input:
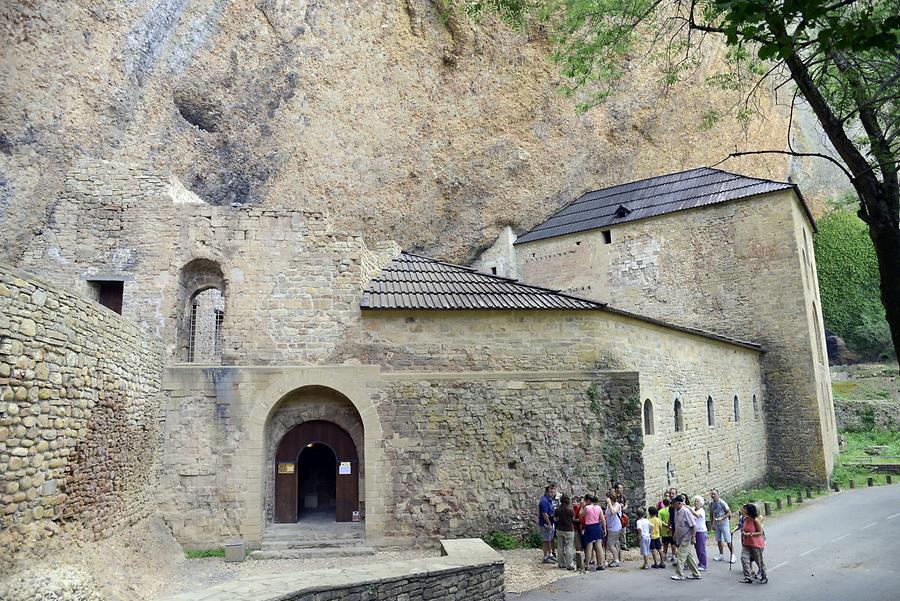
(79, 413)
(858, 416)
(744, 268)
(670, 364)
(292, 285)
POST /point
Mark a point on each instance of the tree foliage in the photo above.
(841, 57)
(848, 285)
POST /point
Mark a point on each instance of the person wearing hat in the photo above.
(685, 536)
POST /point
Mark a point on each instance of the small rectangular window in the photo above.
(607, 237)
(108, 293)
(494, 270)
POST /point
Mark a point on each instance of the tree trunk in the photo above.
(885, 234)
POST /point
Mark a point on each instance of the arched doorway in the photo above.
(316, 472)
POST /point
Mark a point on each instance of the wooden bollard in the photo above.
(789, 500)
(808, 492)
(836, 485)
(852, 484)
(778, 504)
(799, 496)
(870, 481)
(768, 507)
(888, 479)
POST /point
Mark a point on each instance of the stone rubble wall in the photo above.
(858, 415)
(79, 413)
(745, 269)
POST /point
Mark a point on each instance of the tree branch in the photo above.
(791, 153)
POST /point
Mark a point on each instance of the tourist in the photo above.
(545, 522)
(655, 541)
(700, 523)
(593, 522)
(666, 530)
(644, 528)
(674, 545)
(613, 528)
(685, 535)
(564, 517)
(753, 542)
(665, 497)
(721, 519)
(576, 524)
(619, 489)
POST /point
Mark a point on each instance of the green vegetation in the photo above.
(849, 285)
(501, 540)
(533, 541)
(851, 390)
(220, 552)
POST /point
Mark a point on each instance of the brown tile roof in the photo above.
(414, 282)
(652, 197)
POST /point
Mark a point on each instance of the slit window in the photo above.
(679, 417)
(737, 409)
(648, 417)
(108, 293)
(756, 408)
(710, 412)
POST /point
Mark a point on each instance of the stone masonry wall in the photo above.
(744, 268)
(670, 364)
(856, 416)
(78, 413)
(292, 286)
(470, 583)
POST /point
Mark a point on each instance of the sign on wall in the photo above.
(285, 468)
(344, 469)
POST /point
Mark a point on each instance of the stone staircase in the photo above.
(313, 538)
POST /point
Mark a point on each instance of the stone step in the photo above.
(273, 545)
(323, 536)
(344, 551)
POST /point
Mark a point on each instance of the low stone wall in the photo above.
(78, 413)
(468, 570)
(855, 416)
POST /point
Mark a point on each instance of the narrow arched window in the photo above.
(648, 417)
(756, 408)
(710, 412)
(737, 409)
(679, 418)
(708, 462)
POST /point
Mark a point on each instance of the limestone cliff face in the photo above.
(433, 131)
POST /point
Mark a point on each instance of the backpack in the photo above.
(624, 520)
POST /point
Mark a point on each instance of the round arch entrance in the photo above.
(316, 472)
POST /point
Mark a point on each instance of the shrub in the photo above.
(501, 540)
(849, 285)
(220, 552)
(534, 541)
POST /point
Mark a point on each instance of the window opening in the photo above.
(205, 329)
(108, 293)
(739, 453)
(679, 418)
(607, 237)
(737, 409)
(648, 417)
(708, 462)
(494, 270)
(710, 415)
(755, 408)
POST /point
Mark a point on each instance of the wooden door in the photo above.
(287, 469)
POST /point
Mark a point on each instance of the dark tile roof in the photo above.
(652, 197)
(413, 282)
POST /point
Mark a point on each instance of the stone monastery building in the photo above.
(264, 367)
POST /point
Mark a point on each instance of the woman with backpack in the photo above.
(753, 542)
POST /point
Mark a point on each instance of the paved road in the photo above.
(844, 546)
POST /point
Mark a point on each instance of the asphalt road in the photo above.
(845, 546)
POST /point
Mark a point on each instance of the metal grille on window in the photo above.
(207, 319)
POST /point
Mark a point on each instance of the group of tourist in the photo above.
(673, 530)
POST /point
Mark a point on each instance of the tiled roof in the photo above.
(652, 197)
(415, 282)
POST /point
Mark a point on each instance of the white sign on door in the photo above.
(344, 469)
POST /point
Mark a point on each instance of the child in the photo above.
(665, 530)
(655, 542)
(644, 527)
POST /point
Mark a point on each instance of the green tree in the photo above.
(841, 56)
(848, 281)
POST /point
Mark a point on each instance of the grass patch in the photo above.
(858, 442)
(852, 390)
(220, 552)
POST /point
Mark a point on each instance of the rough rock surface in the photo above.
(433, 131)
